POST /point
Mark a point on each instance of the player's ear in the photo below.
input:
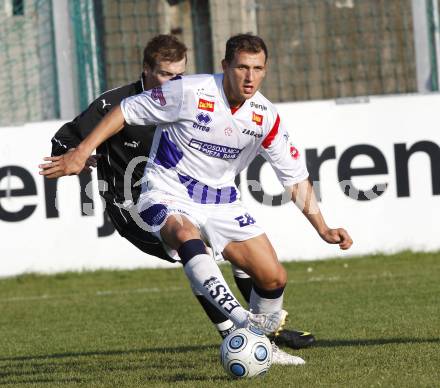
(224, 65)
(147, 68)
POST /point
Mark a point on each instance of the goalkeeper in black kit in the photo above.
(164, 59)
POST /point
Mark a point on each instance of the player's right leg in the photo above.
(147, 243)
(175, 222)
(179, 233)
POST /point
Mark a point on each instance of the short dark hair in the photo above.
(163, 48)
(244, 42)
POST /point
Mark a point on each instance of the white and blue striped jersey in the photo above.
(200, 145)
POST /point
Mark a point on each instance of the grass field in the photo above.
(377, 320)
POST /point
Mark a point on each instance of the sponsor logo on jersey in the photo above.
(294, 153)
(215, 150)
(256, 118)
(258, 106)
(157, 94)
(154, 215)
(228, 131)
(245, 220)
(203, 119)
(132, 144)
(251, 133)
(104, 104)
(203, 128)
(206, 105)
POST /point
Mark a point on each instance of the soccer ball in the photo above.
(246, 352)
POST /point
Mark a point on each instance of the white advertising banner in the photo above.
(392, 143)
(375, 163)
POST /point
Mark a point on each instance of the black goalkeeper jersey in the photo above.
(116, 152)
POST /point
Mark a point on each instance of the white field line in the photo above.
(313, 279)
(316, 279)
(325, 279)
(97, 293)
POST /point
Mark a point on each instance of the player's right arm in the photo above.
(72, 133)
(157, 106)
(74, 162)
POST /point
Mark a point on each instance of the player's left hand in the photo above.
(338, 236)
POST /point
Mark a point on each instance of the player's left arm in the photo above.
(290, 168)
(303, 196)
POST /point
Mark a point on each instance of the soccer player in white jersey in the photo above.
(210, 127)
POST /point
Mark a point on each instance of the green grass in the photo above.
(377, 320)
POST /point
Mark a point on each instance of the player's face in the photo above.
(162, 72)
(243, 76)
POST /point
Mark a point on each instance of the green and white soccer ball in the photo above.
(246, 352)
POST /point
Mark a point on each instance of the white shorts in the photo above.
(219, 224)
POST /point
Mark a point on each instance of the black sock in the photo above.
(223, 324)
(245, 287)
(214, 314)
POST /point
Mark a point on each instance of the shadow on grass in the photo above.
(32, 369)
(42, 381)
(330, 343)
(178, 349)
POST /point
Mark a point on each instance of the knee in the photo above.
(184, 234)
(280, 278)
(175, 232)
(273, 279)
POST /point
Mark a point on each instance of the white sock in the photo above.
(225, 328)
(239, 273)
(260, 305)
(205, 275)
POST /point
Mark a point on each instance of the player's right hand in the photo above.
(71, 163)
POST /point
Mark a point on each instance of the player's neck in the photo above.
(146, 83)
(234, 102)
(235, 105)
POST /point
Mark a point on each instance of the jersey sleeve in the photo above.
(155, 106)
(73, 132)
(283, 156)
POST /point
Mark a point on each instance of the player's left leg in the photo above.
(295, 339)
(234, 233)
(257, 257)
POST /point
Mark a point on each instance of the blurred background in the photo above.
(355, 82)
(57, 56)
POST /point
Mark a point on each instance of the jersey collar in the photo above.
(142, 82)
(219, 81)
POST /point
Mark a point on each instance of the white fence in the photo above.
(388, 142)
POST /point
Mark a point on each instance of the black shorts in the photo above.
(141, 239)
